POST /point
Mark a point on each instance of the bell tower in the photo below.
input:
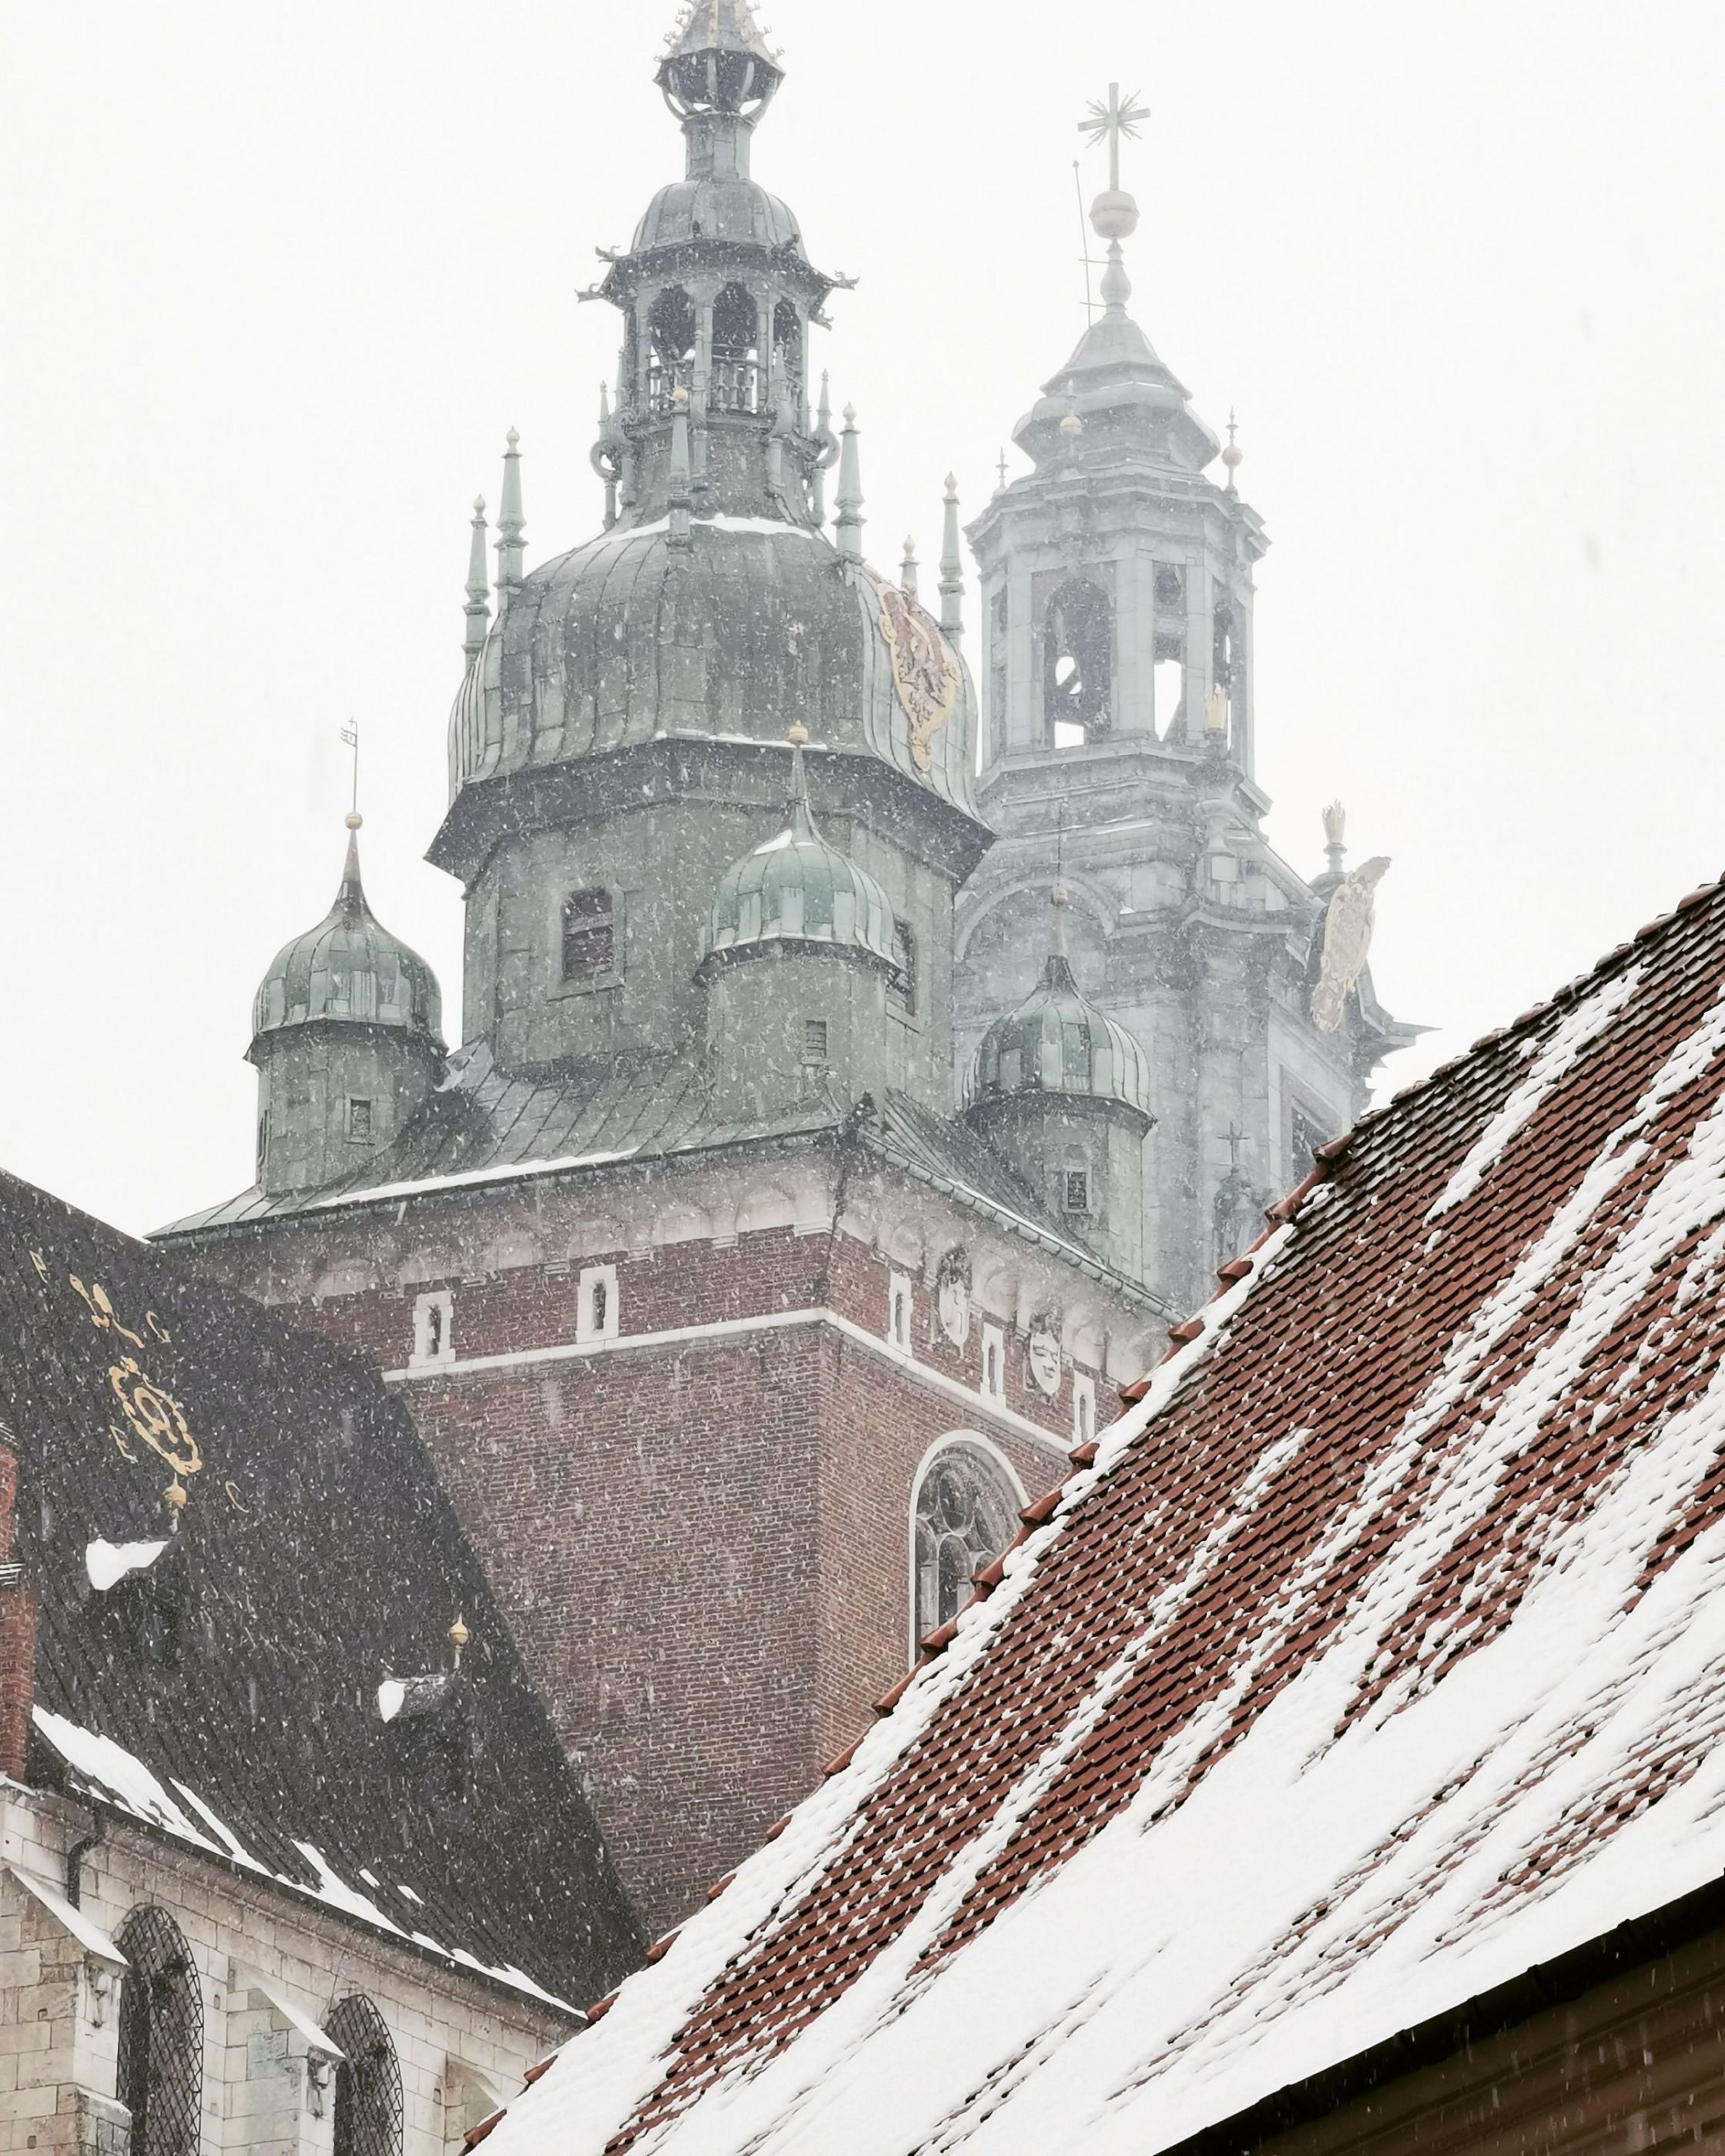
(1117, 584)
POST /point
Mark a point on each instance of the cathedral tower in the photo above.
(1117, 589)
(622, 736)
(739, 1347)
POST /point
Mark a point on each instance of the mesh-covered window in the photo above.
(814, 1040)
(161, 2066)
(589, 936)
(901, 991)
(966, 1512)
(369, 2101)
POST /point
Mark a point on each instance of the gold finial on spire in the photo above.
(459, 1637)
(799, 734)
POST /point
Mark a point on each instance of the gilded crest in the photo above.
(924, 673)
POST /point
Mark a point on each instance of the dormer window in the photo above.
(589, 936)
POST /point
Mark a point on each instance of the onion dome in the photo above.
(795, 888)
(349, 969)
(1057, 1042)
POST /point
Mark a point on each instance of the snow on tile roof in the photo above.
(1375, 1657)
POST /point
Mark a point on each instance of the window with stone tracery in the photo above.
(1078, 663)
(967, 1509)
(161, 2036)
(369, 2110)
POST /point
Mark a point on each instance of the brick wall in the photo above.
(702, 1542)
(17, 1634)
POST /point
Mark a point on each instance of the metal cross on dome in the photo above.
(1118, 116)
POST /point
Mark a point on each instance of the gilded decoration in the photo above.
(925, 675)
(150, 1414)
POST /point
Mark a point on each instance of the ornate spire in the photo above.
(479, 586)
(718, 76)
(1114, 213)
(827, 442)
(951, 567)
(511, 527)
(850, 493)
(907, 569)
(1233, 456)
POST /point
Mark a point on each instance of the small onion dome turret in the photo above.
(1056, 1042)
(794, 888)
(350, 969)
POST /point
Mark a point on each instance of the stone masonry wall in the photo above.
(463, 2046)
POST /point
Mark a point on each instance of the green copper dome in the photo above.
(349, 968)
(1055, 1042)
(794, 888)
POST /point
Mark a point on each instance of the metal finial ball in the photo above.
(459, 1634)
(353, 820)
(1071, 426)
(1114, 214)
(479, 505)
(799, 734)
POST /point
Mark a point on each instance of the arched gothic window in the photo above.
(1078, 663)
(966, 1513)
(788, 351)
(161, 2036)
(368, 2100)
(670, 355)
(737, 352)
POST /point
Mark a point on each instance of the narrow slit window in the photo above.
(898, 1313)
(902, 995)
(589, 936)
(1077, 1190)
(814, 1040)
(359, 1121)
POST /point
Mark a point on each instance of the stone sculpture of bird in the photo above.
(1347, 942)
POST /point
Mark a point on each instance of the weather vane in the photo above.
(1118, 116)
(350, 735)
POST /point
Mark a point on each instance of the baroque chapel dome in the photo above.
(1057, 1042)
(753, 626)
(351, 968)
(794, 888)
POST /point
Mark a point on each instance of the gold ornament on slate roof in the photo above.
(459, 1637)
(925, 675)
(1347, 942)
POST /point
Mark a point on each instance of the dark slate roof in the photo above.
(1371, 1660)
(485, 1126)
(227, 1694)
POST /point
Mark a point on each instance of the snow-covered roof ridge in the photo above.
(1375, 1658)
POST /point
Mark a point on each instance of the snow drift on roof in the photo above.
(1378, 1656)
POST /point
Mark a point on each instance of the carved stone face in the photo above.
(1042, 1361)
(951, 1297)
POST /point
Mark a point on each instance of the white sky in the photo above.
(277, 280)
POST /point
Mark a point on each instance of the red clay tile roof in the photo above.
(1376, 1656)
